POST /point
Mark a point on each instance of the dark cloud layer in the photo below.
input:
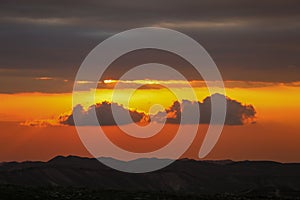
(237, 113)
(76, 10)
(249, 40)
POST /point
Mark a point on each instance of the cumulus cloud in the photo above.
(237, 113)
(104, 115)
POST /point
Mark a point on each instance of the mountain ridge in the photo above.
(184, 175)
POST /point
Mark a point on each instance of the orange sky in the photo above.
(275, 136)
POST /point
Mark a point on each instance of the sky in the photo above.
(255, 45)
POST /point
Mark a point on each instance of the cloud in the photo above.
(158, 84)
(236, 114)
(104, 115)
(41, 123)
(254, 40)
(88, 12)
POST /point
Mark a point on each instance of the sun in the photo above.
(109, 81)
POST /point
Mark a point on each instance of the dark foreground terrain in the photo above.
(13, 192)
(83, 178)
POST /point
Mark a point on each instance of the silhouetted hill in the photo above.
(184, 176)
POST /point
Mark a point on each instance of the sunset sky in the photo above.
(255, 45)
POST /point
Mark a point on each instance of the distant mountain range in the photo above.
(186, 176)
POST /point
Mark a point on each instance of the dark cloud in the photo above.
(73, 11)
(104, 115)
(249, 40)
(236, 114)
